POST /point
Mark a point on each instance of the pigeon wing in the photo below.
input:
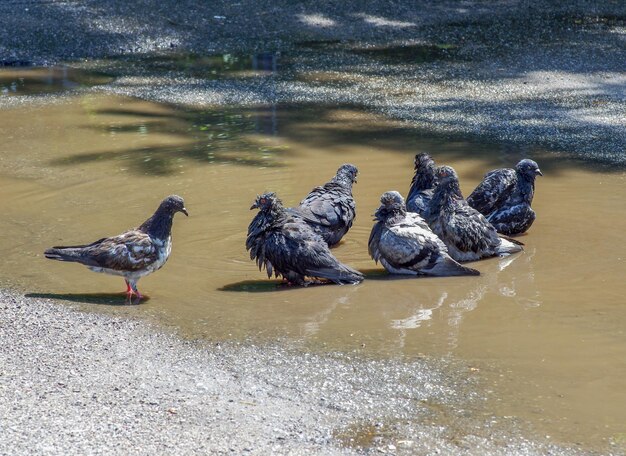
(319, 207)
(297, 248)
(373, 245)
(409, 246)
(470, 230)
(130, 251)
(493, 190)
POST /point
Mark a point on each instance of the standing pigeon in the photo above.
(285, 245)
(422, 186)
(465, 231)
(505, 195)
(330, 209)
(405, 244)
(133, 254)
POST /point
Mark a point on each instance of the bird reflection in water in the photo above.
(452, 305)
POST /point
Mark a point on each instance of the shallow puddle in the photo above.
(26, 81)
(544, 330)
(205, 66)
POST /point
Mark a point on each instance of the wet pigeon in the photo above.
(284, 244)
(422, 186)
(330, 209)
(505, 195)
(133, 254)
(465, 231)
(404, 243)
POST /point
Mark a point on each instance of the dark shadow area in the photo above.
(107, 299)
(415, 54)
(255, 286)
(382, 274)
(268, 286)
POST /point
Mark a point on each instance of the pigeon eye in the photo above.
(262, 201)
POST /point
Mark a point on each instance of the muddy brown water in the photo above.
(544, 330)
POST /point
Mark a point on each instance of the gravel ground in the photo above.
(83, 383)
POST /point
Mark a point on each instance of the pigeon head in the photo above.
(159, 226)
(528, 168)
(448, 181)
(444, 172)
(424, 177)
(266, 202)
(424, 161)
(346, 174)
(391, 204)
(392, 198)
(173, 204)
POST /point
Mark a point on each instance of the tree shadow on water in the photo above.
(220, 136)
(246, 136)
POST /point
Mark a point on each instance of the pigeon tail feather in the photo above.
(72, 253)
(449, 267)
(64, 254)
(507, 246)
(345, 275)
(510, 239)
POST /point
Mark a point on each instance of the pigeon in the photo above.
(330, 209)
(133, 254)
(403, 242)
(505, 195)
(465, 231)
(422, 186)
(285, 245)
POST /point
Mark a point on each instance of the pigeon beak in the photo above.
(539, 172)
(184, 211)
(254, 206)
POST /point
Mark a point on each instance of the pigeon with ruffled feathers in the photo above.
(404, 243)
(422, 186)
(285, 245)
(330, 208)
(465, 231)
(505, 196)
(132, 254)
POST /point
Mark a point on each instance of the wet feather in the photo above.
(330, 209)
(404, 243)
(282, 242)
(505, 197)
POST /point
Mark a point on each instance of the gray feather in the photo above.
(330, 209)
(282, 242)
(404, 243)
(422, 185)
(465, 231)
(505, 197)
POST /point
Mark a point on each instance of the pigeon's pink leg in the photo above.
(129, 290)
(133, 286)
